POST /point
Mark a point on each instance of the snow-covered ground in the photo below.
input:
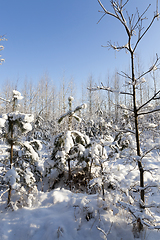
(72, 215)
(62, 214)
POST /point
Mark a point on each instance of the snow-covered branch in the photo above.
(4, 100)
(71, 113)
(102, 87)
(105, 234)
(116, 47)
(141, 217)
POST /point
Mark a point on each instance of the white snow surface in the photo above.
(12, 177)
(68, 142)
(66, 215)
(61, 214)
(2, 122)
(27, 127)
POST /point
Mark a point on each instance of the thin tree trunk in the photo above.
(69, 175)
(11, 161)
(137, 130)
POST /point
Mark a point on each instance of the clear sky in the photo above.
(63, 38)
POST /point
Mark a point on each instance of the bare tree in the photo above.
(133, 26)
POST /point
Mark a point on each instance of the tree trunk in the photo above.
(11, 161)
(69, 174)
(137, 130)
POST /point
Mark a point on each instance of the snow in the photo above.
(27, 127)
(71, 98)
(17, 95)
(60, 214)
(68, 141)
(2, 122)
(38, 212)
(30, 149)
(12, 177)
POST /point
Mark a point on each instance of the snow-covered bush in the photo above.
(14, 126)
(69, 146)
(69, 152)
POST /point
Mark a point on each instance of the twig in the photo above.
(4, 192)
(105, 234)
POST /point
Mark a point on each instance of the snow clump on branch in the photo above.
(17, 95)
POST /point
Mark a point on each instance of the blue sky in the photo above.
(63, 38)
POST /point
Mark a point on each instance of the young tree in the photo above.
(69, 145)
(133, 26)
(14, 124)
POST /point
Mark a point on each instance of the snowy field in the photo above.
(62, 214)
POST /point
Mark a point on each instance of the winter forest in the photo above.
(84, 164)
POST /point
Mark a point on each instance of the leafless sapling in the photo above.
(133, 26)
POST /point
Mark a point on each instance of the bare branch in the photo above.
(117, 9)
(152, 68)
(150, 150)
(124, 108)
(140, 17)
(117, 48)
(125, 4)
(157, 98)
(139, 39)
(108, 89)
(101, 17)
(152, 98)
(4, 192)
(105, 10)
(125, 75)
(154, 110)
(105, 234)
(157, 9)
